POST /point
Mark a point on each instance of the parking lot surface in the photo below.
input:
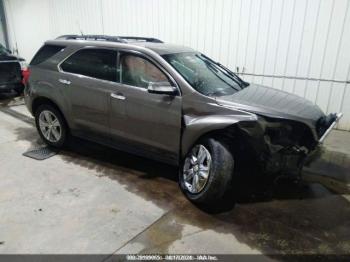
(96, 200)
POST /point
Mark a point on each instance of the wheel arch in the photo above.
(208, 126)
(41, 100)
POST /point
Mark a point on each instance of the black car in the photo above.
(12, 72)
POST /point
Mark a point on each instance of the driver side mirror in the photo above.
(164, 88)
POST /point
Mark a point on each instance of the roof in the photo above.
(153, 44)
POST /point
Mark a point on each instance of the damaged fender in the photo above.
(198, 126)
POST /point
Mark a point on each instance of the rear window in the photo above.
(96, 63)
(45, 53)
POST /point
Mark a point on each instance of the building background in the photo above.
(300, 46)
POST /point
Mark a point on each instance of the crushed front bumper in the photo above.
(288, 161)
(334, 122)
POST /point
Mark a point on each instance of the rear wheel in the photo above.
(51, 125)
(206, 172)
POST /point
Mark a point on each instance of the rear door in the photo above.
(88, 77)
(150, 123)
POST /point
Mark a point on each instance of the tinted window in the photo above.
(137, 71)
(97, 63)
(45, 53)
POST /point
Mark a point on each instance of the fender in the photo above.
(196, 127)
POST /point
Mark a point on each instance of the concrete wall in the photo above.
(301, 46)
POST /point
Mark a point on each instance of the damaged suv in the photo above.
(171, 104)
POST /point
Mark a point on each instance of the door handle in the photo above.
(64, 81)
(118, 96)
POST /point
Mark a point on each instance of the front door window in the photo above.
(139, 72)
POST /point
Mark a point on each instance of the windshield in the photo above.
(206, 76)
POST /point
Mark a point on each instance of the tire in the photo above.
(218, 182)
(58, 133)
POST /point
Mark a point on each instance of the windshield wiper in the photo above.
(215, 71)
(242, 83)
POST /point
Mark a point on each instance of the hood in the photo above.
(271, 102)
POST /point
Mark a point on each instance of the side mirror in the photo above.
(163, 88)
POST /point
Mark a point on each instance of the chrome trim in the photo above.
(64, 81)
(118, 96)
(339, 116)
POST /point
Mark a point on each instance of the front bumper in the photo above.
(286, 161)
(335, 121)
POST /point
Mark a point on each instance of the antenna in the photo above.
(81, 31)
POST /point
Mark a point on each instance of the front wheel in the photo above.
(206, 172)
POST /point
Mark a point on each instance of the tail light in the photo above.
(25, 76)
(25, 72)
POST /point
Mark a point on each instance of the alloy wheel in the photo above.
(196, 169)
(50, 126)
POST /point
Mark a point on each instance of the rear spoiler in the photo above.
(336, 119)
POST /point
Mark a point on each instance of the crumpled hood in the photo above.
(274, 103)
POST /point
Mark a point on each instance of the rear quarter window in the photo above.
(45, 53)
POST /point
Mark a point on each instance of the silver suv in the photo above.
(172, 104)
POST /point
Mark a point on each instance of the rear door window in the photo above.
(96, 63)
(45, 53)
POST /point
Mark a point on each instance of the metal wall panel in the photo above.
(299, 46)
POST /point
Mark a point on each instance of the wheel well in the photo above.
(46, 101)
(43, 101)
(224, 135)
(238, 145)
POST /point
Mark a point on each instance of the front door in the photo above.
(151, 123)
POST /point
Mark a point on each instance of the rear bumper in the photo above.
(7, 87)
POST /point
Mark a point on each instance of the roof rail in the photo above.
(120, 39)
(142, 39)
